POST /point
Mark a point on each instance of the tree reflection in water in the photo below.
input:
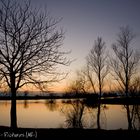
(99, 110)
(81, 115)
(51, 104)
(136, 118)
(74, 114)
(26, 104)
(133, 116)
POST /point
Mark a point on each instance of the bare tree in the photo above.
(135, 87)
(30, 46)
(90, 79)
(125, 62)
(79, 84)
(96, 60)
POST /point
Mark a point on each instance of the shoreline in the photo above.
(107, 100)
(7, 132)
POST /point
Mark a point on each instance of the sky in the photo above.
(84, 20)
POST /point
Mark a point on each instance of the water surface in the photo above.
(70, 114)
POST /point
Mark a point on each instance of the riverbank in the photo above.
(38, 133)
(88, 99)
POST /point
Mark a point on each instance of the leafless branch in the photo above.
(125, 62)
(30, 44)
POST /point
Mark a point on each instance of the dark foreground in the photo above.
(29, 133)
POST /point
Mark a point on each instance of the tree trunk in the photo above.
(13, 103)
(13, 114)
(100, 84)
(126, 87)
(98, 116)
(129, 118)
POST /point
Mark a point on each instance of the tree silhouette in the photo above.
(96, 61)
(90, 79)
(30, 47)
(79, 84)
(126, 60)
(135, 87)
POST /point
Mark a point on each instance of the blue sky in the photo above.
(85, 20)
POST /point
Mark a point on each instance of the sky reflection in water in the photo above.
(68, 114)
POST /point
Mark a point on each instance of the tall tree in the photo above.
(96, 61)
(30, 46)
(125, 61)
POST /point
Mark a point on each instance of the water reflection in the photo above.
(51, 104)
(70, 114)
(133, 116)
(26, 104)
(136, 117)
(74, 114)
(80, 114)
(98, 116)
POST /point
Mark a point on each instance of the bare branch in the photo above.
(30, 44)
(97, 62)
(126, 60)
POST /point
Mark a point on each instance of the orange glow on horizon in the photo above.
(62, 86)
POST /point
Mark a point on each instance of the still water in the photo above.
(70, 114)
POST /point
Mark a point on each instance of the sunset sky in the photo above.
(84, 20)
